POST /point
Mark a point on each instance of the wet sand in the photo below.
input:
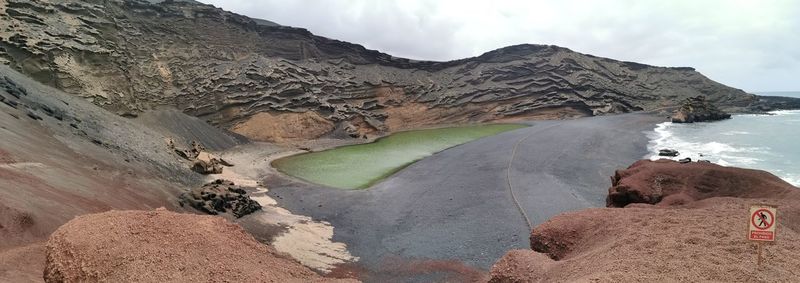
(456, 205)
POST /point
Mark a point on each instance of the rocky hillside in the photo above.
(272, 82)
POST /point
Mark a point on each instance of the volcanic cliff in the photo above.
(275, 83)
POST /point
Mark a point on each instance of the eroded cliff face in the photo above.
(132, 55)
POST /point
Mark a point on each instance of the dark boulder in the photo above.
(668, 152)
(220, 196)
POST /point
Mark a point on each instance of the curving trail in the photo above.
(510, 184)
(459, 204)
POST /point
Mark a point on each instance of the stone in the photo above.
(206, 163)
(220, 196)
(668, 152)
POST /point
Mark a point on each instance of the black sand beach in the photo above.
(456, 204)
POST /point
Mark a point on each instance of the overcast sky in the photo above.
(753, 45)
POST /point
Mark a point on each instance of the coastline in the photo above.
(755, 141)
(462, 215)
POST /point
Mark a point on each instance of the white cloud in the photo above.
(747, 44)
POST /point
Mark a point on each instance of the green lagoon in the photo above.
(361, 166)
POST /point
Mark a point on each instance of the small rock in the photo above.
(225, 162)
(668, 152)
(685, 160)
(11, 103)
(33, 115)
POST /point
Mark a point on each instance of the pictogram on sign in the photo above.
(763, 219)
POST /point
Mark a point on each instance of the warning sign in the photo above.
(762, 222)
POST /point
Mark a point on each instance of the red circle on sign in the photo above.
(769, 224)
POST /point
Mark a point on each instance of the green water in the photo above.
(360, 166)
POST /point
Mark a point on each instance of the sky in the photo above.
(752, 45)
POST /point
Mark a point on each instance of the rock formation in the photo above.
(142, 246)
(666, 182)
(697, 109)
(220, 196)
(270, 82)
(700, 238)
(203, 162)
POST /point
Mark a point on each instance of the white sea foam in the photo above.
(733, 133)
(785, 112)
(719, 149)
(662, 137)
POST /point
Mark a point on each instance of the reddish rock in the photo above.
(696, 231)
(163, 246)
(666, 182)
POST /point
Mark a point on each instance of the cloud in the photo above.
(747, 44)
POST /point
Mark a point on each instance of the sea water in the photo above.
(766, 142)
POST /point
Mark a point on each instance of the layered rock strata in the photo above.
(278, 83)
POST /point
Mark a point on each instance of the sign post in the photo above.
(762, 222)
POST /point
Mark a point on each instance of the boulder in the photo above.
(668, 152)
(697, 109)
(203, 162)
(206, 163)
(220, 196)
(665, 182)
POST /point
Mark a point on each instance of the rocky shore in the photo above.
(698, 109)
(683, 222)
(686, 222)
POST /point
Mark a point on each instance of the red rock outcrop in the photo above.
(702, 237)
(665, 182)
(163, 246)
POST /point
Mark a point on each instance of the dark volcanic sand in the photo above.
(455, 205)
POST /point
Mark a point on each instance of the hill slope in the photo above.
(131, 55)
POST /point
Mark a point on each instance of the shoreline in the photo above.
(386, 220)
(744, 141)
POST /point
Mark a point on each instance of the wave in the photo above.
(663, 137)
(733, 133)
(720, 151)
(785, 112)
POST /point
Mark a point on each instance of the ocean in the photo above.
(766, 142)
